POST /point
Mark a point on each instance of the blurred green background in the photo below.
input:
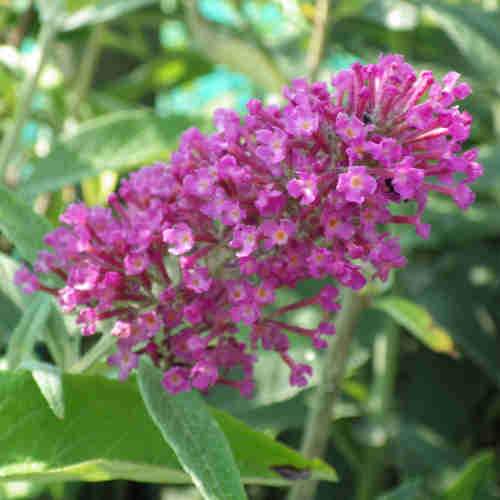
(121, 79)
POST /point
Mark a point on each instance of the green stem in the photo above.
(318, 424)
(10, 142)
(317, 41)
(87, 69)
(103, 347)
(385, 361)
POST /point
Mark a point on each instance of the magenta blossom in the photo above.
(356, 184)
(188, 252)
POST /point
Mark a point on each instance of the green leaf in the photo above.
(107, 434)
(409, 490)
(419, 450)
(63, 347)
(473, 31)
(23, 227)
(222, 48)
(29, 328)
(187, 426)
(113, 142)
(453, 227)
(9, 317)
(460, 290)
(83, 13)
(49, 380)
(418, 322)
(489, 155)
(11, 298)
(8, 268)
(473, 477)
(441, 393)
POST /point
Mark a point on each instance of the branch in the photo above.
(317, 42)
(11, 138)
(319, 420)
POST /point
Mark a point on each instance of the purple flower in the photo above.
(202, 184)
(232, 213)
(198, 279)
(299, 374)
(26, 280)
(247, 313)
(407, 180)
(238, 291)
(84, 277)
(125, 360)
(75, 214)
(245, 238)
(176, 380)
(327, 298)
(278, 233)
(356, 184)
(270, 202)
(304, 188)
(264, 293)
(136, 263)
(464, 196)
(272, 146)
(180, 237)
(351, 129)
(122, 329)
(335, 227)
(204, 375)
(187, 251)
(88, 319)
(301, 121)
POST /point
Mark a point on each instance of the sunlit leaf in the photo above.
(114, 142)
(23, 227)
(409, 490)
(460, 290)
(82, 13)
(48, 378)
(418, 322)
(107, 434)
(239, 55)
(30, 327)
(473, 31)
(187, 426)
(472, 478)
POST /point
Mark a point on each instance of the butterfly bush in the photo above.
(189, 251)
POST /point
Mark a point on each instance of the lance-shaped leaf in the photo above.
(8, 268)
(189, 428)
(239, 55)
(11, 297)
(473, 478)
(23, 227)
(98, 11)
(474, 32)
(409, 490)
(113, 142)
(418, 321)
(30, 327)
(107, 434)
(48, 378)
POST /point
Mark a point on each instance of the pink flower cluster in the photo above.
(187, 252)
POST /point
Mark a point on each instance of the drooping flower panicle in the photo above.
(187, 251)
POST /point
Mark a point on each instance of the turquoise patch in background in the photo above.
(28, 45)
(219, 11)
(219, 88)
(29, 133)
(173, 35)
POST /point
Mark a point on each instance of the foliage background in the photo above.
(419, 415)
